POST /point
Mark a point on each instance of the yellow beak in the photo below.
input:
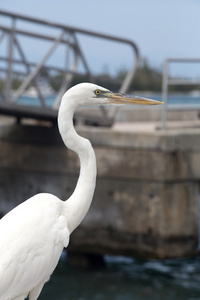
(119, 98)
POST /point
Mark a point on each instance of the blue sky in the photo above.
(167, 28)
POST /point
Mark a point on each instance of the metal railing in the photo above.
(168, 81)
(15, 63)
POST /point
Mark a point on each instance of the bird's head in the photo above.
(92, 94)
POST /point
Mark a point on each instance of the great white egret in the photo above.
(33, 234)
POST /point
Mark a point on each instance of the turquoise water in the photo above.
(126, 279)
(173, 99)
(26, 100)
(179, 99)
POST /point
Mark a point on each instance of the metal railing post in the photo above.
(2, 36)
(32, 75)
(29, 70)
(129, 77)
(10, 56)
(174, 81)
(164, 94)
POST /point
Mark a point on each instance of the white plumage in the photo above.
(33, 235)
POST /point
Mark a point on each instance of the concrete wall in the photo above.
(153, 114)
(146, 199)
(144, 113)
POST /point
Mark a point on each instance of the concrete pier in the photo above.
(146, 199)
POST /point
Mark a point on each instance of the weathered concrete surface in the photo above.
(145, 113)
(146, 200)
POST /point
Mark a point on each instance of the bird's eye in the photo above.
(97, 92)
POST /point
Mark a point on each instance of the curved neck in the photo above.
(76, 207)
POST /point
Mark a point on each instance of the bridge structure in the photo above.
(62, 61)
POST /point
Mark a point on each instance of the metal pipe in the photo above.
(164, 94)
(35, 35)
(37, 68)
(2, 36)
(129, 76)
(10, 54)
(68, 28)
(42, 101)
(78, 49)
(66, 81)
(183, 59)
(166, 82)
(72, 44)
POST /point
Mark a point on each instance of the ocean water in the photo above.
(173, 99)
(185, 99)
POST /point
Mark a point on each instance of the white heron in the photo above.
(33, 234)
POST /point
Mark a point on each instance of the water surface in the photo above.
(126, 279)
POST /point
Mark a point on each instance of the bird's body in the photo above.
(33, 235)
(24, 244)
